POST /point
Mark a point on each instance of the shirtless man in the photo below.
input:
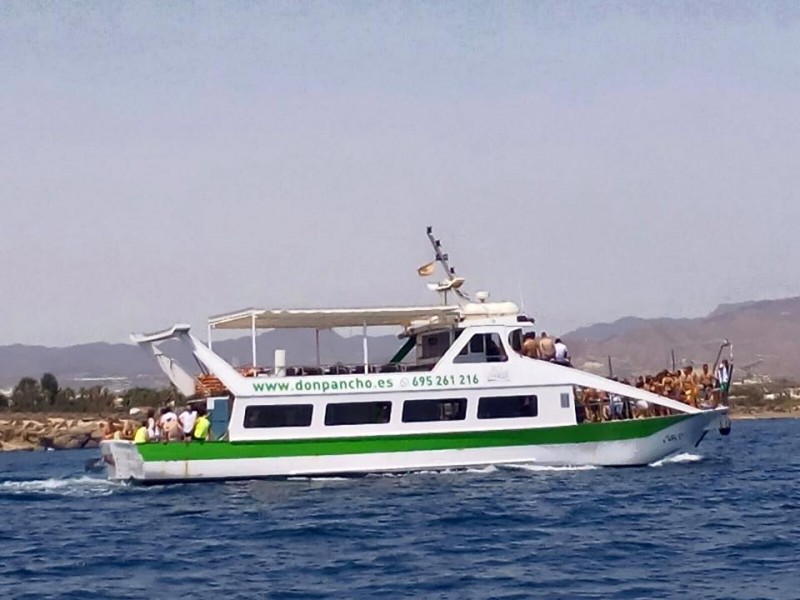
(691, 389)
(591, 405)
(530, 345)
(109, 429)
(547, 347)
(706, 378)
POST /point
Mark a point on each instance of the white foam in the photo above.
(677, 459)
(453, 471)
(486, 469)
(74, 486)
(303, 478)
(443, 471)
(540, 468)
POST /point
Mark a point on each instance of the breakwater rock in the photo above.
(57, 433)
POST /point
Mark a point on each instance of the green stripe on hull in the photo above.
(568, 434)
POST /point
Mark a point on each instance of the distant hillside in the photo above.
(600, 332)
(765, 335)
(129, 365)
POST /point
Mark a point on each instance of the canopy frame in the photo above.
(332, 318)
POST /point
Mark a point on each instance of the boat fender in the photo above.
(724, 426)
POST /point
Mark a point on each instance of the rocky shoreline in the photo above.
(71, 432)
(744, 415)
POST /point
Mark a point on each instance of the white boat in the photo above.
(457, 394)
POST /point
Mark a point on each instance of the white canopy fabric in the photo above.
(330, 318)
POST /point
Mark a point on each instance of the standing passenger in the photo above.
(723, 380)
(170, 428)
(140, 437)
(202, 426)
(187, 419)
(153, 430)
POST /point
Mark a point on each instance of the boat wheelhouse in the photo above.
(457, 393)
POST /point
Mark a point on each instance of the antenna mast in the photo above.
(443, 259)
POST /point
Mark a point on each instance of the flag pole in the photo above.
(443, 259)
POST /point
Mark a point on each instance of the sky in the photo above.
(163, 162)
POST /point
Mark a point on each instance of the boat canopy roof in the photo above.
(329, 318)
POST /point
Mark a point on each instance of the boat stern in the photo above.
(122, 460)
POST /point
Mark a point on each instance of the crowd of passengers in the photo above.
(192, 423)
(700, 389)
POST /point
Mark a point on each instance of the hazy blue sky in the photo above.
(161, 162)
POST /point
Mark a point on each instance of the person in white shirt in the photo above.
(562, 354)
(723, 381)
(724, 375)
(187, 419)
(153, 430)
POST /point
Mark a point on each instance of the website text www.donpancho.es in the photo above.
(363, 383)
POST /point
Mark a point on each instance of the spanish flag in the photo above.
(426, 270)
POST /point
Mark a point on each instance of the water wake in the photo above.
(542, 468)
(73, 486)
(443, 471)
(686, 457)
(320, 478)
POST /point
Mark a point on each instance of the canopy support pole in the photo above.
(316, 336)
(253, 337)
(210, 344)
(366, 349)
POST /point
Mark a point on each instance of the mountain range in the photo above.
(764, 336)
(764, 340)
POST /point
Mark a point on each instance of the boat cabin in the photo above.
(426, 335)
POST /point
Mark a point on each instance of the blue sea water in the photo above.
(723, 522)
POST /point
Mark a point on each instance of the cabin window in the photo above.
(422, 411)
(565, 400)
(508, 407)
(482, 347)
(515, 340)
(435, 345)
(358, 413)
(283, 415)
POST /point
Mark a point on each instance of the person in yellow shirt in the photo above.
(202, 426)
(140, 437)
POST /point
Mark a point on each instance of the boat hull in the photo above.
(614, 444)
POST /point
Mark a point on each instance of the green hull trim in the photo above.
(568, 434)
